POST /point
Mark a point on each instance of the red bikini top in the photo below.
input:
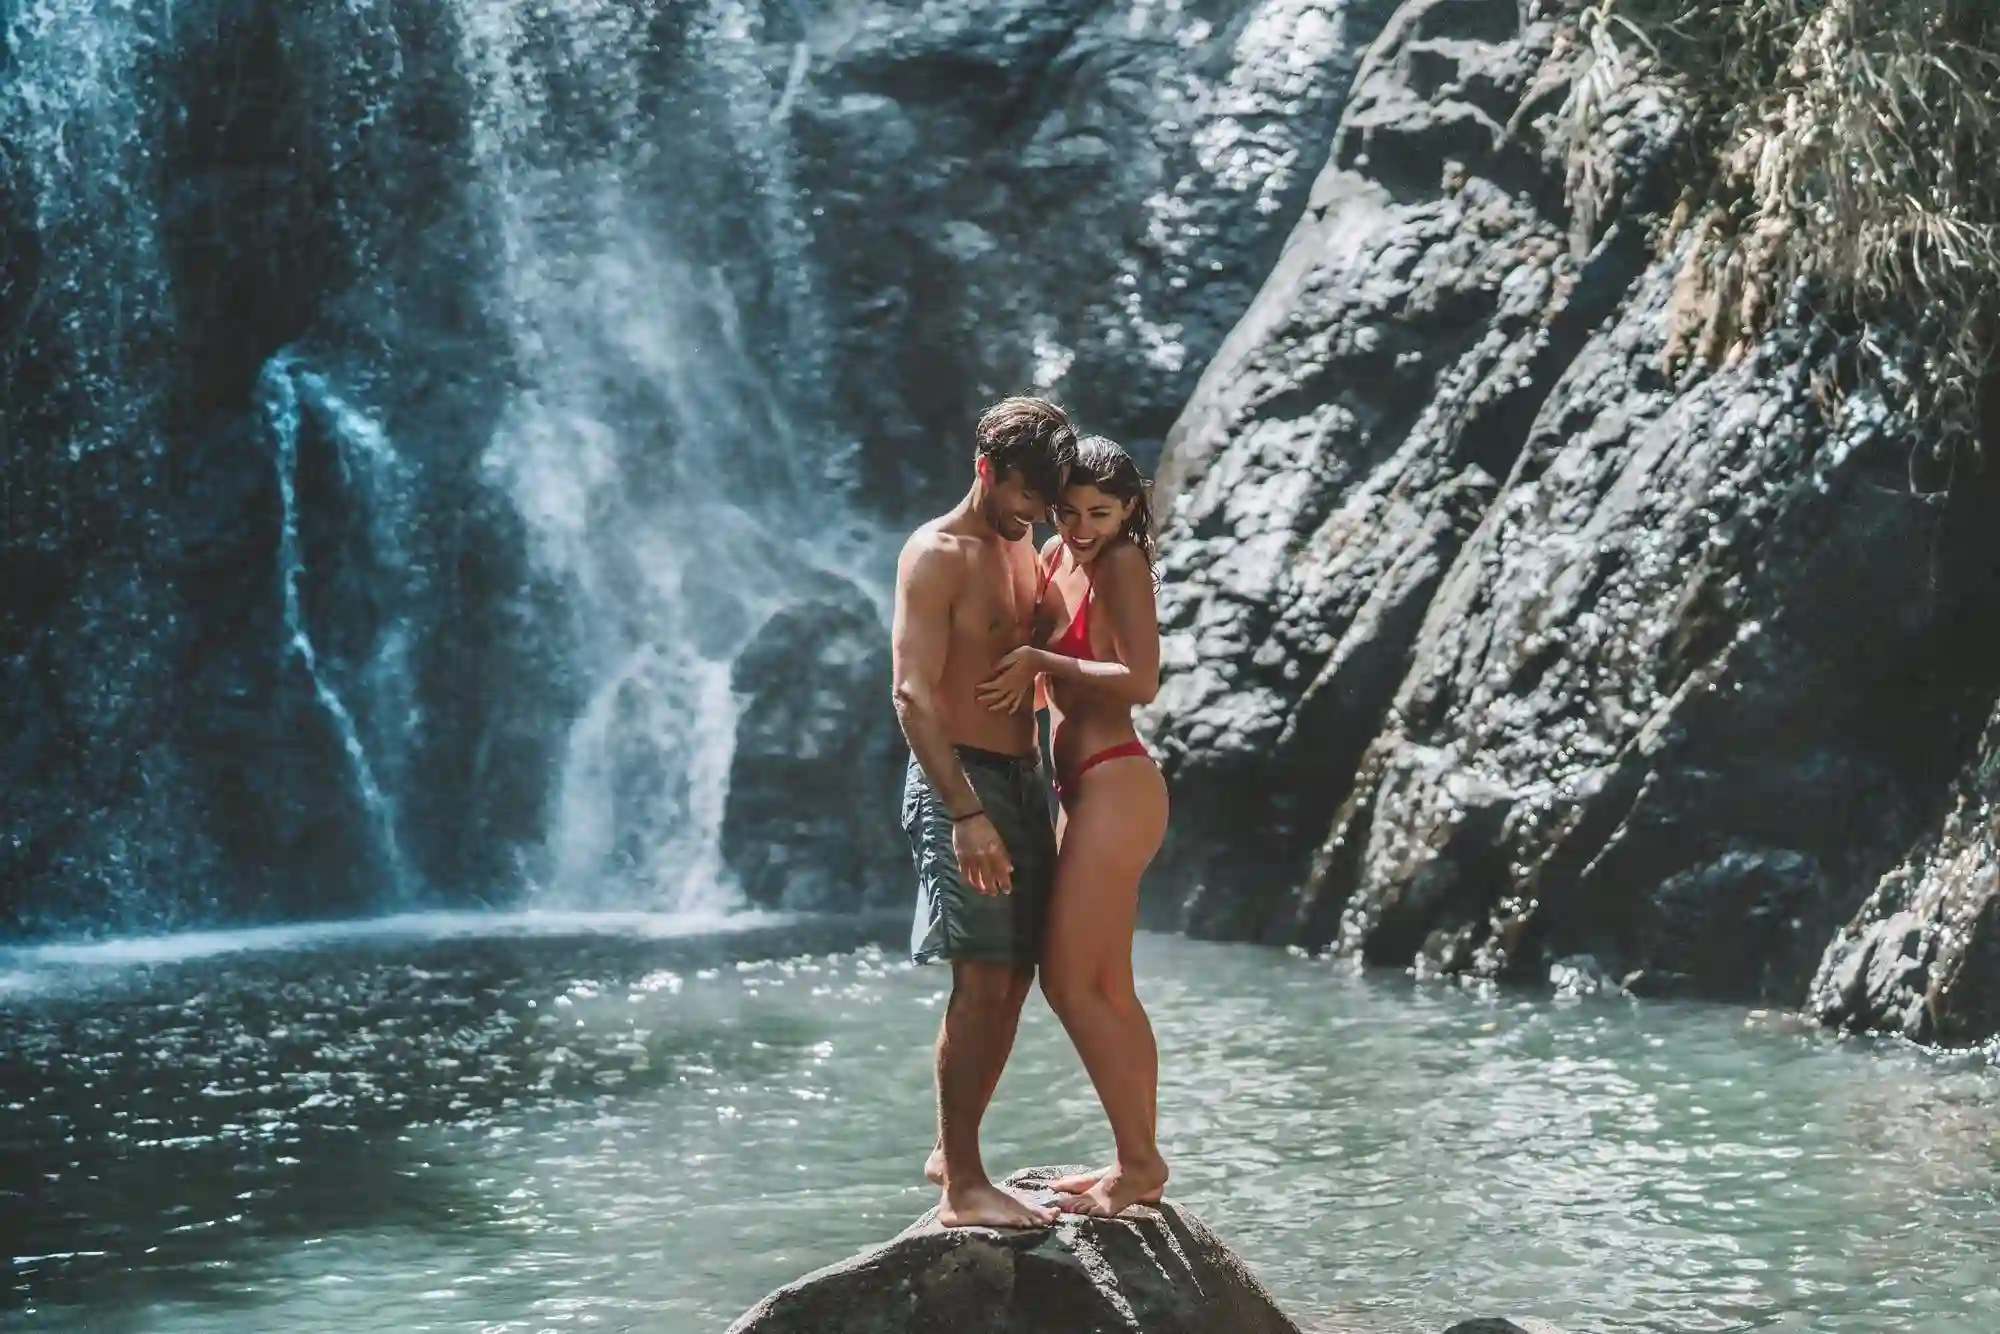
(1073, 642)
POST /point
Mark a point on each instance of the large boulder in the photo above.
(1154, 1270)
(811, 818)
(1922, 956)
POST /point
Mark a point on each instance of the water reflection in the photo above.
(523, 1134)
(185, 1117)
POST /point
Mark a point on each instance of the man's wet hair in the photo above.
(1031, 436)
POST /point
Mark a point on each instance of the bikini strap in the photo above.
(1048, 573)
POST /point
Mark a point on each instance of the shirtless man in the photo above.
(975, 803)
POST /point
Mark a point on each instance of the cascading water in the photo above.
(451, 372)
(657, 461)
(371, 473)
(97, 789)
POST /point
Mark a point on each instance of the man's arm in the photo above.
(918, 638)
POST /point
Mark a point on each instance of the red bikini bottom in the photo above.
(1117, 752)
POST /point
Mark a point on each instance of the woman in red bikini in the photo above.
(1097, 583)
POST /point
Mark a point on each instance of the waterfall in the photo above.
(652, 445)
(368, 466)
(513, 301)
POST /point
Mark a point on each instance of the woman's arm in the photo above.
(1125, 593)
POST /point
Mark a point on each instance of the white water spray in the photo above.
(656, 462)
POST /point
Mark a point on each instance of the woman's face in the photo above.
(1089, 519)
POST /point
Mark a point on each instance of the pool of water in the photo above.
(477, 1124)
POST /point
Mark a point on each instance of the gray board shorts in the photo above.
(953, 920)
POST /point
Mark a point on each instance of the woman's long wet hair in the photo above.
(1104, 464)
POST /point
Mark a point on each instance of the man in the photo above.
(975, 804)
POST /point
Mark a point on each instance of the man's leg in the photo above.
(978, 1033)
(993, 1061)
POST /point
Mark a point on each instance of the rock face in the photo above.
(1079, 197)
(1496, 634)
(1157, 1270)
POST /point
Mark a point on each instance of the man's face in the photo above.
(1011, 507)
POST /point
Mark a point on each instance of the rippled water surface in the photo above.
(624, 1124)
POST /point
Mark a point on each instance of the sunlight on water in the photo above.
(565, 1121)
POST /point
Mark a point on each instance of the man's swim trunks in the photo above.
(954, 921)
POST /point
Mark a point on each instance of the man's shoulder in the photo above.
(932, 551)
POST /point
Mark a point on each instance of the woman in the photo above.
(1097, 583)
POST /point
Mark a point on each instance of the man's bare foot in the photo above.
(934, 1167)
(1118, 1190)
(986, 1205)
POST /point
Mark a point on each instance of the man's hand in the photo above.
(982, 857)
(1012, 685)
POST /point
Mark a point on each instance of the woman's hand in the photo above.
(1011, 688)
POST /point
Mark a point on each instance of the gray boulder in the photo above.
(810, 823)
(1154, 1270)
(1922, 956)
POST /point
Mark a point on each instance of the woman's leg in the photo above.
(1116, 820)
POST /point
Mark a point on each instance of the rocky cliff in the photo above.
(1507, 624)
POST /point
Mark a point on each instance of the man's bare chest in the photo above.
(996, 612)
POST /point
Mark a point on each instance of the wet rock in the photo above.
(1078, 198)
(1352, 434)
(1654, 713)
(1493, 1325)
(813, 785)
(1492, 637)
(1922, 956)
(1158, 1270)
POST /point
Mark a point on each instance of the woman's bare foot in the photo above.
(1079, 1183)
(934, 1167)
(986, 1205)
(1118, 1190)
